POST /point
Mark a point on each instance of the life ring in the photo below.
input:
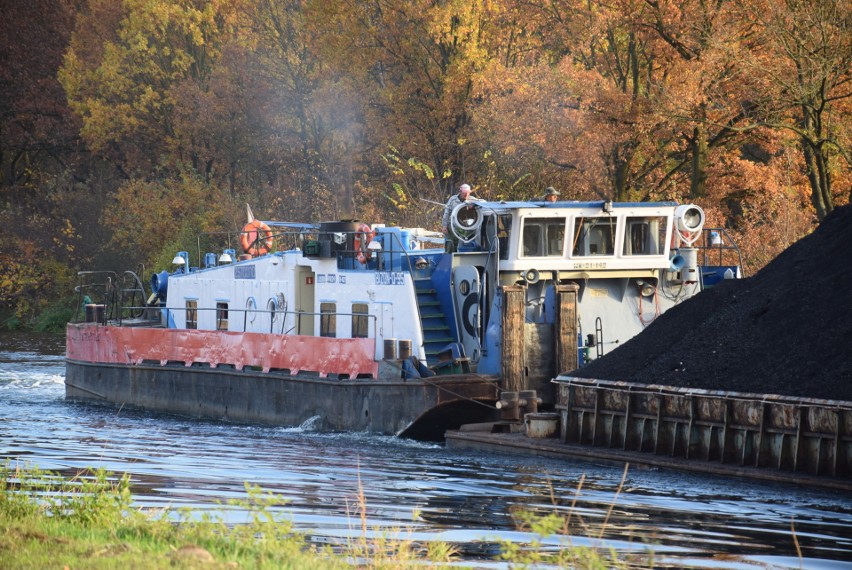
(363, 237)
(256, 238)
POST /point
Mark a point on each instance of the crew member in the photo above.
(456, 199)
(550, 194)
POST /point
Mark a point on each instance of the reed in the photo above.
(553, 524)
(88, 520)
(377, 549)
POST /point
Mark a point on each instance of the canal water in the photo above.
(416, 491)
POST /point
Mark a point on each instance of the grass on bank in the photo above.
(88, 522)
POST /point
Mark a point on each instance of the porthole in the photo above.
(251, 306)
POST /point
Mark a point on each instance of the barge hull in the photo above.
(267, 379)
(377, 406)
(520, 444)
(758, 436)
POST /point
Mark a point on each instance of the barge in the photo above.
(359, 327)
(758, 436)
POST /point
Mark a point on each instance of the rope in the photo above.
(448, 391)
(483, 404)
(656, 312)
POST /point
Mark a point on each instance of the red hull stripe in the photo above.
(131, 345)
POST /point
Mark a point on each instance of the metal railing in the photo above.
(108, 292)
(276, 317)
(316, 242)
(723, 250)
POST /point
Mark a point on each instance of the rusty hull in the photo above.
(265, 379)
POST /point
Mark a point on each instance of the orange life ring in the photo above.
(256, 238)
(363, 237)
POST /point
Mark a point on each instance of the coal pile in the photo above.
(786, 331)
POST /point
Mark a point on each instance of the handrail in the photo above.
(106, 288)
(725, 244)
(272, 313)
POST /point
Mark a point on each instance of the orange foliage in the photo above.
(314, 110)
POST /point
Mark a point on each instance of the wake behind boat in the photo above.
(386, 329)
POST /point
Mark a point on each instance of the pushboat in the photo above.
(357, 327)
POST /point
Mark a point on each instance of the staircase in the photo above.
(433, 322)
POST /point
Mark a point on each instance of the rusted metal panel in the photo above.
(514, 298)
(786, 434)
(538, 360)
(566, 327)
(91, 342)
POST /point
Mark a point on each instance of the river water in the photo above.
(417, 491)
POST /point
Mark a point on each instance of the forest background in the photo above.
(129, 127)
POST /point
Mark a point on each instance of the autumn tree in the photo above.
(37, 131)
(130, 65)
(801, 79)
(40, 159)
(311, 125)
(585, 109)
(411, 66)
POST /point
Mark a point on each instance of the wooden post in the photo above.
(566, 327)
(514, 301)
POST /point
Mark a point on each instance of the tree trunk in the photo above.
(819, 174)
(698, 177)
(620, 172)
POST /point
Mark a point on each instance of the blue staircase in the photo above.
(436, 331)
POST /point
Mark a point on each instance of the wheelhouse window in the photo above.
(221, 315)
(328, 319)
(191, 314)
(645, 235)
(503, 231)
(543, 237)
(594, 236)
(360, 321)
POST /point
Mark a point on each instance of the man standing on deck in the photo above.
(551, 194)
(456, 199)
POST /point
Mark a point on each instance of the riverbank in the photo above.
(51, 320)
(89, 521)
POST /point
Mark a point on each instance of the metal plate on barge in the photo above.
(793, 440)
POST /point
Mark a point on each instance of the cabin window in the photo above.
(360, 322)
(221, 316)
(532, 239)
(543, 237)
(594, 236)
(328, 319)
(554, 238)
(192, 314)
(645, 236)
(504, 230)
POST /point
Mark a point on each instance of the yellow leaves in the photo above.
(149, 214)
(419, 166)
(124, 91)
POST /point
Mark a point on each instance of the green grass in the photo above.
(88, 522)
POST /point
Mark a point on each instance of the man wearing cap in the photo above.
(455, 200)
(550, 194)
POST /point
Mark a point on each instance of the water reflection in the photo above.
(418, 491)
